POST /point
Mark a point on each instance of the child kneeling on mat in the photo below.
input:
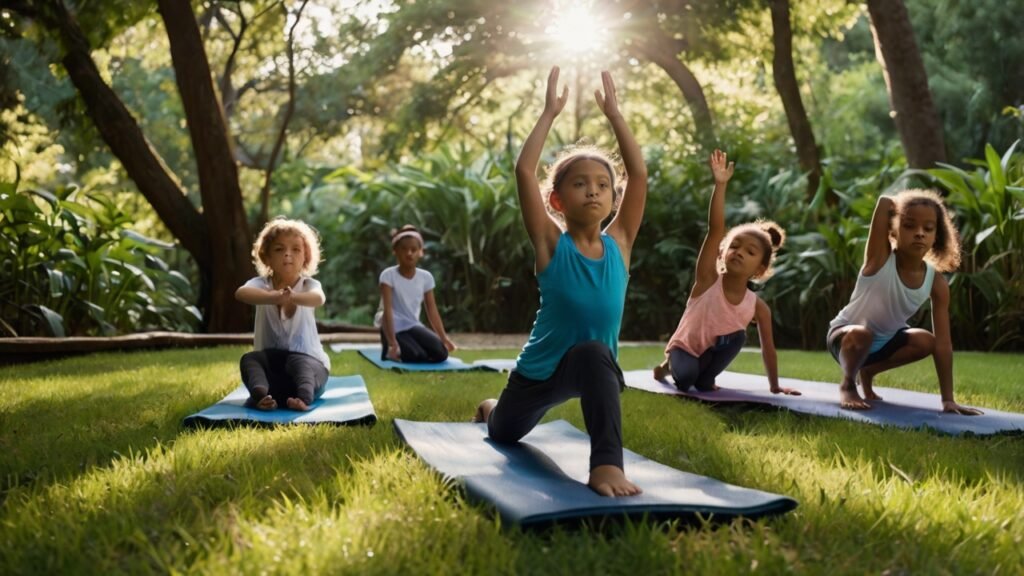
(912, 237)
(721, 305)
(287, 362)
(582, 272)
(404, 289)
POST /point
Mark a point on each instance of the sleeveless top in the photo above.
(709, 316)
(581, 299)
(883, 303)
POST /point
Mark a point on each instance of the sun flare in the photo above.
(577, 28)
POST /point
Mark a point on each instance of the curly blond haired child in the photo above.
(287, 362)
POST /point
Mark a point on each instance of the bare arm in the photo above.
(707, 260)
(541, 229)
(387, 323)
(877, 250)
(763, 316)
(434, 317)
(257, 296)
(943, 354)
(631, 210)
(313, 298)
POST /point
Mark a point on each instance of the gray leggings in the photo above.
(588, 371)
(689, 370)
(282, 374)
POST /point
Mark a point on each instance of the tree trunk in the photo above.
(784, 73)
(659, 49)
(228, 230)
(122, 133)
(910, 99)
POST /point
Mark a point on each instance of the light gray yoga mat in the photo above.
(542, 479)
(498, 364)
(452, 364)
(342, 346)
(345, 401)
(902, 408)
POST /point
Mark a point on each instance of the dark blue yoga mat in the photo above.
(542, 480)
(901, 408)
(449, 365)
(345, 401)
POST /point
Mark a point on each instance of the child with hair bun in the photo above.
(288, 363)
(721, 305)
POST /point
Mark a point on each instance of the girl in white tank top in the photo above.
(911, 237)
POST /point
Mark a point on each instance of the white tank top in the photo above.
(883, 303)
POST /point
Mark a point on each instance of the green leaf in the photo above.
(146, 240)
(997, 177)
(154, 263)
(53, 321)
(56, 281)
(980, 236)
(1008, 154)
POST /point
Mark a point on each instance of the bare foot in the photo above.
(864, 379)
(661, 371)
(266, 403)
(297, 404)
(849, 399)
(483, 411)
(608, 480)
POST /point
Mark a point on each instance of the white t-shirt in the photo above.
(295, 334)
(406, 295)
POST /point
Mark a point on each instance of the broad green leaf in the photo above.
(980, 236)
(995, 169)
(52, 320)
(146, 240)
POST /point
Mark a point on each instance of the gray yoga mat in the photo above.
(498, 364)
(345, 401)
(902, 408)
(542, 479)
(452, 364)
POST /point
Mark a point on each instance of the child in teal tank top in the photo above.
(582, 271)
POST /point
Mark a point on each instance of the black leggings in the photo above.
(689, 370)
(418, 345)
(282, 374)
(588, 371)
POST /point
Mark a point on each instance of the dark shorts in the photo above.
(898, 340)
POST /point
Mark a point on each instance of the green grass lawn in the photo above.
(99, 477)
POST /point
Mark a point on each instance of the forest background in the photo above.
(144, 144)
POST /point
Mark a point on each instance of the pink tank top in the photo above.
(709, 316)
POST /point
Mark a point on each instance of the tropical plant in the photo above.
(71, 265)
(987, 293)
(465, 206)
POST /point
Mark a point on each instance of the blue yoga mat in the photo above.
(345, 401)
(450, 365)
(901, 408)
(542, 479)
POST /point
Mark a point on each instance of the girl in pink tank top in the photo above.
(713, 327)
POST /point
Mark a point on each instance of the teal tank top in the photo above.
(581, 299)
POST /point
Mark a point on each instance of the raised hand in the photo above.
(721, 168)
(608, 102)
(553, 103)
